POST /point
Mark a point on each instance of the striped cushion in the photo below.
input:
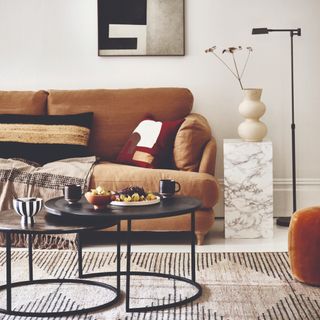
(44, 139)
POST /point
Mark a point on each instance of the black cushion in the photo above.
(44, 139)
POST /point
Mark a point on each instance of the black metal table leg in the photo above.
(118, 257)
(80, 262)
(20, 284)
(116, 273)
(128, 271)
(8, 270)
(191, 281)
(10, 224)
(30, 258)
(193, 247)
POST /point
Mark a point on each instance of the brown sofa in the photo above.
(116, 114)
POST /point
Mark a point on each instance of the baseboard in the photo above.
(308, 194)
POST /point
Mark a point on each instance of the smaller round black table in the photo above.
(47, 224)
(177, 205)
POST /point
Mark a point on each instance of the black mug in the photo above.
(167, 187)
(72, 193)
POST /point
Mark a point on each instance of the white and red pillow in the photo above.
(151, 144)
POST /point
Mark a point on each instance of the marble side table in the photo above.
(248, 189)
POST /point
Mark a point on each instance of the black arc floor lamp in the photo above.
(285, 221)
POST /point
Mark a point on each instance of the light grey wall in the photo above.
(53, 44)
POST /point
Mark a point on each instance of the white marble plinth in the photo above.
(248, 189)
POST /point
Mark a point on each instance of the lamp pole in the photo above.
(285, 221)
(293, 130)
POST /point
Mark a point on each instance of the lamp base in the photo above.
(283, 221)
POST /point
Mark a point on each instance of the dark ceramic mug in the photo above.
(72, 193)
(168, 187)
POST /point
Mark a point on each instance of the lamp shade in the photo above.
(260, 30)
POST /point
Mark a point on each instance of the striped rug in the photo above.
(240, 286)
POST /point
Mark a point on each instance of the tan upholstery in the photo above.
(204, 221)
(208, 161)
(200, 185)
(304, 245)
(117, 176)
(23, 102)
(191, 139)
(118, 112)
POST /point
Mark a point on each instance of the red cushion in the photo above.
(151, 144)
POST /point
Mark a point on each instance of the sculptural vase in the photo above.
(252, 109)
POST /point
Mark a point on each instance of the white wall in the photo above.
(53, 44)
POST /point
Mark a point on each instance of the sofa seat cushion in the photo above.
(204, 221)
(118, 176)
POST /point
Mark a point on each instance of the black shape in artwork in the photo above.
(119, 12)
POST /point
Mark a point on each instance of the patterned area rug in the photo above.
(240, 286)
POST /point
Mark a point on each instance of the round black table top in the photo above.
(174, 206)
(48, 224)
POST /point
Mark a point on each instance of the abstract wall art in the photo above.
(141, 27)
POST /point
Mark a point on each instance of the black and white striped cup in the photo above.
(27, 208)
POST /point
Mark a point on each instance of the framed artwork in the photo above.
(140, 27)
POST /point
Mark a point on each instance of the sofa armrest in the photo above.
(208, 160)
(190, 142)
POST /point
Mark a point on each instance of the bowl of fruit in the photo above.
(99, 197)
(134, 196)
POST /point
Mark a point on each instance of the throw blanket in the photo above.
(19, 178)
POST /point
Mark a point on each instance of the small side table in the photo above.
(248, 189)
(45, 224)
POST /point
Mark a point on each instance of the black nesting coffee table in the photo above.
(177, 205)
(48, 224)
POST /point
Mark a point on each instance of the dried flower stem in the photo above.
(236, 67)
(245, 64)
(234, 72)
(224, 63)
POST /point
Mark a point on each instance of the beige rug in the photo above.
(236, 286)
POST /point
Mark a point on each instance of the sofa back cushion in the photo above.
(23, 102)
(117, 112)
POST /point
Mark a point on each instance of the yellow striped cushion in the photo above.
(44, 139)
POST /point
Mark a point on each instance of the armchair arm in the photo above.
(208, 160)
(191, 139)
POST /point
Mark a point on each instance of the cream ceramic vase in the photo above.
(251, 108)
